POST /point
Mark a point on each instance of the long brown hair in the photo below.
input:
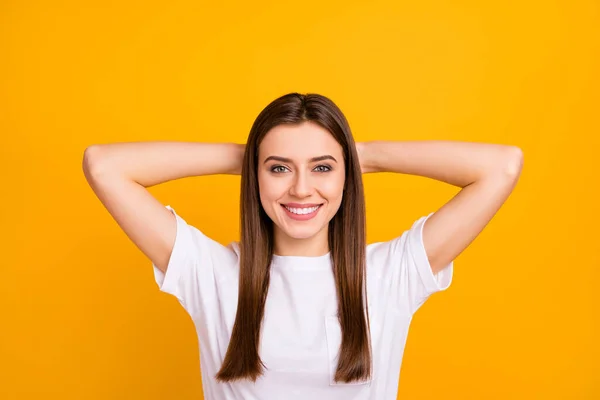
(346, 237)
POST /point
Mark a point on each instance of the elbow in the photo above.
(92, 160)
(514, 161)
(506, 165)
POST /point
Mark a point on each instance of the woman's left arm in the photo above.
(487, 174)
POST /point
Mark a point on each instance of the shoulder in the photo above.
(205, 249)
(400, 244)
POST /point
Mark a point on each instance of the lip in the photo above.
(302, 217)
(298, 205)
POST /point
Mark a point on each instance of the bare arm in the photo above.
(119, 174)
(486, 172)
(151, 163)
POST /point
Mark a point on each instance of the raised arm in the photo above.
(486, 172)
(119, 174)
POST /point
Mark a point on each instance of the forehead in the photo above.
(299, 142)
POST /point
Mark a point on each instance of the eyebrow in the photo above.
(314, 159)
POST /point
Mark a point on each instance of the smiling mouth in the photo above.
(302, 210)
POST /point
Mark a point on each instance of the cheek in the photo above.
(333, 188)
(269, 191)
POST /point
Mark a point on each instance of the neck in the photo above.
(313, 246)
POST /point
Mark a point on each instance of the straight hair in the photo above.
(346, 239)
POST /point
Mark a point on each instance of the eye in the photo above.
(328, 168)
(324, 168)
(274, 168)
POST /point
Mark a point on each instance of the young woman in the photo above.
(301, 307)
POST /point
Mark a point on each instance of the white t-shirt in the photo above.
(300, 333)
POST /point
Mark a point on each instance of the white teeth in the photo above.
(302, 211)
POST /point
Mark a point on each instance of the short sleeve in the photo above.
(192, 271)
(404, 265)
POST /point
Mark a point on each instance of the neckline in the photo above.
(307, 262)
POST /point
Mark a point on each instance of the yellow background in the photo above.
(81, 316)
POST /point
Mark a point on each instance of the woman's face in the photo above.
(288, 177)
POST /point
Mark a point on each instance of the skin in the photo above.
(300, 181)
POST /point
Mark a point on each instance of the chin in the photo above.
(301, 235)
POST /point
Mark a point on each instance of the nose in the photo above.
(301, 186)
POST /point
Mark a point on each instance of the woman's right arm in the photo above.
(119, 174)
